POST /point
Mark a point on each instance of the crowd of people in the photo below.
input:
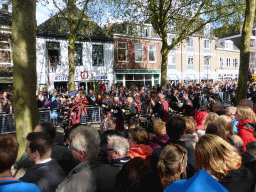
(189, 142)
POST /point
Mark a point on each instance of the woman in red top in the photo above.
(246, 118)
(138, 139)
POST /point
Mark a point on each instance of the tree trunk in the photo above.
(164, 52)
(71, 52)
(241, 92)
(24, 70)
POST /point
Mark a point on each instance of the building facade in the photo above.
(137, 58)
(93, 63)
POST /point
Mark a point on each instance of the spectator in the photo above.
(247, 102)
(246, 118)
(200, 118)
(90, 174)
(107, 129)
(190, 138)
(218, 108)
(175, 127)
(136, 176)
(218, 129)
(202, 181)
(222, 161)
(8, 154)
(230, 112)
(172, 164)
(160, 137)
(59, 152)
(138, 139)
(46, 173)
(118, 148)
(234, 139)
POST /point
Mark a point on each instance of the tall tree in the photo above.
(241, 92)
(24, 70)
(182, 18)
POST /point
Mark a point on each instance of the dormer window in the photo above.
(207, 30)
(146, 31)
(229, 45)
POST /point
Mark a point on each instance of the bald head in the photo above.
(246, 102)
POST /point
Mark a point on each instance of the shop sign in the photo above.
(99, 77)
(84, 75)
(63, 77)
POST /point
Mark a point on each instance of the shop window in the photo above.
(122, 52)
(148, 77)
(156, 79)
(128, 77)
(138, 52)
(138, 77)
(152, 53)
(119, 77)
(78, 54)
(97, 55)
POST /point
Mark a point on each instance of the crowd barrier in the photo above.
(7, 121)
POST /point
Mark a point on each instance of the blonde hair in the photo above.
(190, 125)
(227, 124)
(216, 156)
(211, 117)
(172, 160)
(159, 126)
(246, 113)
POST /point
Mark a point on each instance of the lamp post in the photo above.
(207, 58)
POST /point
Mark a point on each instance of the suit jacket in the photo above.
(47, 176)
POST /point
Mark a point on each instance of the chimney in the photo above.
(5, 8)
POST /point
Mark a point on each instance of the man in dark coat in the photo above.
(46, 173)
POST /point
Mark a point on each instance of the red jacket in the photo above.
(143, 151)
(245, 131)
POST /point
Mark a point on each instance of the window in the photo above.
(206, 62)
(207, 44)
(235, 62)
(229, 45)
(190, 60)
(97, 55)
(138, 52)
(171, 61)
(221, 62)
(78, 54)
(152, 53)
(228, 62)
(190, 42)
(53, 52)
(122, 51)
(146, 31)
(170, 39)
(207, 29)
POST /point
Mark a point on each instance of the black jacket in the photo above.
(47, 176)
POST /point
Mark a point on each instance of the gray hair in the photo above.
(232, 109)
(86, 139)
(119, 144)
(246, 102)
